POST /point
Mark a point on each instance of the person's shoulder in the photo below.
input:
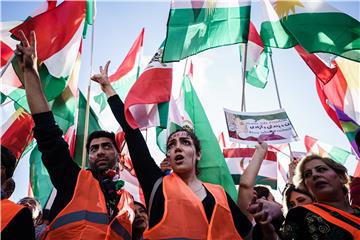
(297, 213)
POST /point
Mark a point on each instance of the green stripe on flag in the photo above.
(212, 165)
(191, 31)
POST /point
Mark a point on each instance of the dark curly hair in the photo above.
(99, 134)
(8, 160)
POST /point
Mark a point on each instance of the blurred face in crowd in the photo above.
(102, 154)
(298, 199)
(321, 180)
(182, 152)
(141, 219)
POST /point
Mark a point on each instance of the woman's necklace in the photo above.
(199, 189)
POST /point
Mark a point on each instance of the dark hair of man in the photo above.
(100, 134)
(262, 191)
(195, 141)
(8, 160)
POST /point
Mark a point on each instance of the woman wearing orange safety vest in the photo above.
(331, 216)
(180, 205)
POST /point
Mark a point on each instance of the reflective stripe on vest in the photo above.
(93, 217)
(120, 230)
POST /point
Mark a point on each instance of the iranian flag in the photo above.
(57, 56)
(150, 94)
(257, 70)
(340, 155)
(195, 26)
(238, 159)
(125, 76)
(315, 25)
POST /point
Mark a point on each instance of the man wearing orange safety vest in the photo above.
(90, 204)
(16, 220)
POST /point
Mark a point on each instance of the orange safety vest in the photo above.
(86, 217)
(184, 215)
(8, 212)
(343, 219)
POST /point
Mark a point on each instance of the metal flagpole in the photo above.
(86, 128)
(243, 106)
(278, 97)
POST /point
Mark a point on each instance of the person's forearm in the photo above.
(34, 93)
(108, 90)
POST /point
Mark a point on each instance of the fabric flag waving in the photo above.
(212, 165)
(315, 25)
(257, 70)
(126, 74)
(59, 55)
(238, 159)
(143, 102)
(17, 132)
(195, 26)
(339, 155)
(340, 98)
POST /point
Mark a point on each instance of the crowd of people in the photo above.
(93, 204)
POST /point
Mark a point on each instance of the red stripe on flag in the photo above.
(19, 134)
(323, 100)
(156, 81)
(309, 143)
(247, 152)
(54, 28)
(254, 35)
(6, 53)
(282, 172)
(129, 60)
(321, 70)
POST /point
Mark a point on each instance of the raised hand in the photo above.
(103, 79)
(262, 148)
(25, 52)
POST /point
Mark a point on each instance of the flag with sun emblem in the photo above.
(315, 25)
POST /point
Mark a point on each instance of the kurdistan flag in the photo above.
(57, 57)
(195, 26)
(238, 159)
(315, 25)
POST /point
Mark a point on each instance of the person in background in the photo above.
(331, 216)
(141, 221)
(16, 220)
(294, 197)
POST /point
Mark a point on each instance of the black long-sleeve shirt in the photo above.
(148, 173)
(63, 171)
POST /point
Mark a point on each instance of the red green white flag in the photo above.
(126, 74)
(195, 26)
(238, 159)
(340, 155)
(315, 25)
(59, 55)
(153, 87)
